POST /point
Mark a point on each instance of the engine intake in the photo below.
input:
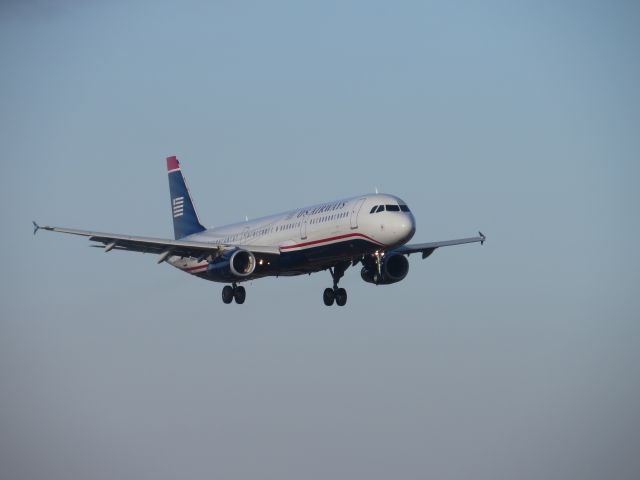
(242, 263)
(232, 265)
(394, 269)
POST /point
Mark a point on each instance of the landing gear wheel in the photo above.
(227, 294)
(341, 297)
(335, 294)
(328, 296)
(240, 294)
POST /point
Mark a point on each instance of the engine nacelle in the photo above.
(394, 269)
(237, 264)
(242, 263)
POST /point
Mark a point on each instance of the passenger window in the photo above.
(380, 208)
(393, 208)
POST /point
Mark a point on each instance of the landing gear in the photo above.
(335, 294)
(229, 293)
(328, 296)
(341, 297)
(378, 275)
(240, 294)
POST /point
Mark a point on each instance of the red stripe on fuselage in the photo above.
(300, 245)
(330, 239)
(198, 267)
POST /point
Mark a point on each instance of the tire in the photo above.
(328, 296)
(240, 294)
(227, 294)
(341, 297)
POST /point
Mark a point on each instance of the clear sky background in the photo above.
(517, 359)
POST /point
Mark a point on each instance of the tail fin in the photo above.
(185, 218)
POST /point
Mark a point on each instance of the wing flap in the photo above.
(184, 248)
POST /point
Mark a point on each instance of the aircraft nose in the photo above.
(410, 226)
(406, 227)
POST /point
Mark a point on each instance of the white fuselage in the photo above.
(321, 228)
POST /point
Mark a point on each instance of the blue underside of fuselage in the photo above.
(300, 262)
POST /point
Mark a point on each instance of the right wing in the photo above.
(428, 248)
(162, 246)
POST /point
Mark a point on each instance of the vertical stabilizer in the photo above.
(185, 218)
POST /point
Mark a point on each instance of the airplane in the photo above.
(373, 230)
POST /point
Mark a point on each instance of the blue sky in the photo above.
(517, 359)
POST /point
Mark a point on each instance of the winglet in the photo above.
(36, 227)
(482, 237)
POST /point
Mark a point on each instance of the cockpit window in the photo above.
(404, 208)
(393, 208)
(373, 209)
(380, 208)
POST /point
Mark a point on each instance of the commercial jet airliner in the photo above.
(372, 230)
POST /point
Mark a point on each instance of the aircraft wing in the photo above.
(428, 248)
(164, 247)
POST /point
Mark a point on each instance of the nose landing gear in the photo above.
(234, 292)
(339, 295)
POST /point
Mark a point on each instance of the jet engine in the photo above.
(236, 264)
(393, 269)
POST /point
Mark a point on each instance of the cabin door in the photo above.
(355, 210)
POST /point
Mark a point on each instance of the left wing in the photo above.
(428, 248)
(164, 247)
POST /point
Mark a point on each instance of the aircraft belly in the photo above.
(301, 262)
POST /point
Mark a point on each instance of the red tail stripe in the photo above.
(172, 163)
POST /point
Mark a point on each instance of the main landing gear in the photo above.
(231, 292)
(335, 294)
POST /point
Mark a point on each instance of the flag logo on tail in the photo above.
(178, 207)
